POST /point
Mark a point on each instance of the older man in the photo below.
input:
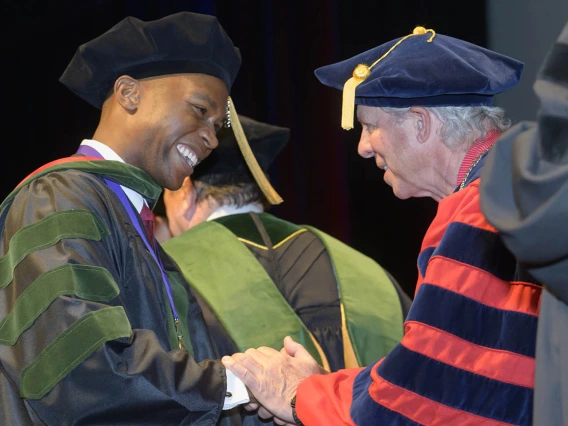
(424, 102)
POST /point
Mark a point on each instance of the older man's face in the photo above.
(396, 150)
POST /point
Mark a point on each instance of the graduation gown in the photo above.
(273, 278)
(86, 328)
(467, 355)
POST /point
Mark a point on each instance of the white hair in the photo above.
(459, 122)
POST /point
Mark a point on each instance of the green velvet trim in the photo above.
(117, 171)
(181, 302)
(86, 281)
(47, 232)
(240, 292)
(278, 229)
(72, 347)
(372, 308)
(244, 227)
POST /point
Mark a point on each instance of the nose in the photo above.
(364, 148)
(209, 137)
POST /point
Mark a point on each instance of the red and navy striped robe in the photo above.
(467, 356)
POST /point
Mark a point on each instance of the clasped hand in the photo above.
(273, 376)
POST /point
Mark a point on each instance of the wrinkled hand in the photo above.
(273, 376)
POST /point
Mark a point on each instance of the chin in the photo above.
(402, 194)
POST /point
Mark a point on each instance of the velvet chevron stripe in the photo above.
(86, 281)
(475, 322)
(48, 232)
(477, 247)
(365, 411)
(455, 387)
(405, 407)
(479, 285)
(496, 364)
(71, 347)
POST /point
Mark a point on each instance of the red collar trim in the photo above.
(59, 161)
(477, 148)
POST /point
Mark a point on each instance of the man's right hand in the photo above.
(273, 376)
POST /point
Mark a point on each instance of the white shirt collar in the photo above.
(108, 154)
(231, 209)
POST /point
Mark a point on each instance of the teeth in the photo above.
(189, 155)
(385, 168)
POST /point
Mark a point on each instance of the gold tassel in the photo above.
(252, 163)
(348, 110)
(363, 71)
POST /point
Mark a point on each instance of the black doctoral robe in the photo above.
(86, 327)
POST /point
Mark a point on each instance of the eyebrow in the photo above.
(203, 97)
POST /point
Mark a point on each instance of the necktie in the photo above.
(148, 221)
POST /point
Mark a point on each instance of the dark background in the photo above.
(320, 176)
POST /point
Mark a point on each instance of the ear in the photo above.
(422, 123)
(128, 92)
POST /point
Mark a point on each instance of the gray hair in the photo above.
(458, 123)
(229, 189)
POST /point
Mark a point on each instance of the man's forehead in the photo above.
(365, 113)
(203, 87)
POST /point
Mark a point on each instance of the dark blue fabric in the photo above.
(365, 411)
(423, 259)
(444, 72)
(457, 388)
(479, 248)
(473, 321)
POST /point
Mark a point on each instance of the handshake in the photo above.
(272, 378)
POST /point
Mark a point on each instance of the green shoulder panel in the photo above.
(117, 171)
(372, 308)
(240, 292)
(245, 229)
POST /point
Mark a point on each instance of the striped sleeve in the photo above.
(467, 356)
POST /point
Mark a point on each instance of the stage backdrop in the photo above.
(319, 174)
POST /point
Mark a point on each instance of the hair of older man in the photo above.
(235, 189)
(459, 123)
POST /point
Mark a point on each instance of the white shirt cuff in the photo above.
(237, 393)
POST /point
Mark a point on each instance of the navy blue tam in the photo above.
(265, 140)
(183, 42)
(425, 69)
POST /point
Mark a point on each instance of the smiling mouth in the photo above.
(188, 154)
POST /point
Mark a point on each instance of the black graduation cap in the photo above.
(265, 141)
(183, 42)
(227, 160)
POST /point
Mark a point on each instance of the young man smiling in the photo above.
(97, 325)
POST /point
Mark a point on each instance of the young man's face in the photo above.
(178, 118)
